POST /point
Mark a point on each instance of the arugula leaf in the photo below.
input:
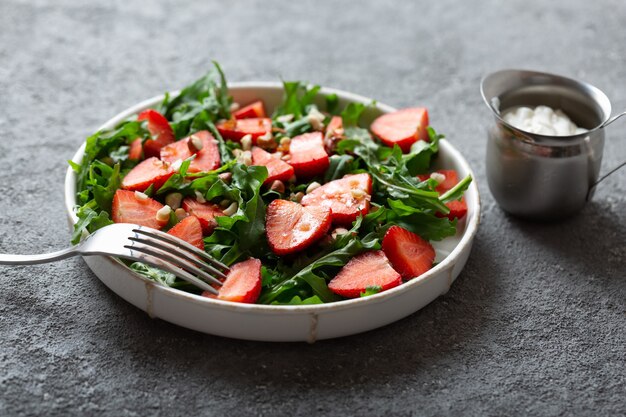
(155, 274)
(351, 114)
(89, 221)
(371, 291)
(297, 99)
(298, 301)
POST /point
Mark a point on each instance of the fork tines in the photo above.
(189, 262)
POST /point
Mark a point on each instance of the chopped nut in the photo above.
(225, 203)
(246, 142)
(180, 213)
(141, 196)
(200, 197)
(313, 186)
(232, 209)
(277, 155)
(316, 118)
(245, 158)
(226, 177)
(285, 142)
(338, 232)
(286, 118)
(357, 193)
(234, 106)
(439, 177)
(285, 157)
(176, 165)
(278, 186)
(237, 152)
(297, 197)
(195, 143)
(173, 200)
(266, 141)
(164, 213)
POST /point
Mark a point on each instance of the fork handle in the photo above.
(6, 259)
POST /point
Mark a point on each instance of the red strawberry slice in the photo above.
(207, 158)
(403, 127)
(135, 152)
(409, 254)
(152, 171)
(450, 181)
(243, 283)
(205, 212)
(129, 208)
(369, 269)
(346, 197)
(189, 230)
(160, 131)
(335, 127)
(235, 129)
(308, 156)
(458, 208)
(291, 227)
(256, 109)
(277, 169)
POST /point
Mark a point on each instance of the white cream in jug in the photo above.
(542, 120)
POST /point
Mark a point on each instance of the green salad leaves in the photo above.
(399, 197)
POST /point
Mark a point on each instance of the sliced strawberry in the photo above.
(205, 212)
(207, 158)
(369, 269)
(129, 208)
(403, 127)
(236, 129)
(252, 110)
(152, 171)
(346, 197)
(277, 169)
(243, 283)
(450, 181)
(409, 254)
(160, 131)
(291, 227)
(135, 152)
(335, 127)
(458, 208)
(308, 156)
(189, 230)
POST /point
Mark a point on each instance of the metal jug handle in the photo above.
(602, 178)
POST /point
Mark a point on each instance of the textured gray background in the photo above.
(534, 325)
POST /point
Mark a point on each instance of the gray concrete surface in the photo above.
(535, 324)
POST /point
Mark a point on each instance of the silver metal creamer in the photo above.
(537, 176)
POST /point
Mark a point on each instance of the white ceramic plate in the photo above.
(290, 323)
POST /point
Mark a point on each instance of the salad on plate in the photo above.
(305, 204)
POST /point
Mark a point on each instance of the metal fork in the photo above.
(143, 244)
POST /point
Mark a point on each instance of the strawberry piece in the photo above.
(335, 126)
(346, 197)
(409, 254)
(189, 230)
(207, 158)
(450, 181)
(308, 156)
(252, 110)
(403, 127)
(135, 152)
(160, 131)
(128, 208)
(369, 269)
(149, 172)
(291, 227)
(242, 285)
(235, 129)
(277, 169)
(205, 212)
(458, 208)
